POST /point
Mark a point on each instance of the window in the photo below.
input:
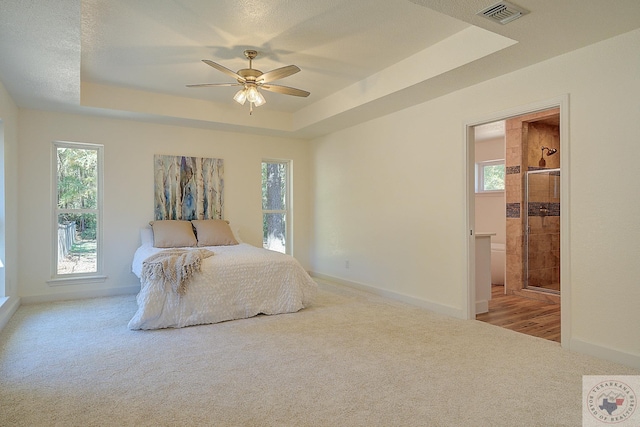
(490, 176)
(4, 290)
(77, 210)
(276, 218)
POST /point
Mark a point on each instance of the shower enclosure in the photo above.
(542, 237)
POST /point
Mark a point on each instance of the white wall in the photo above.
(389, 195)
(490, 207)
(128, 189)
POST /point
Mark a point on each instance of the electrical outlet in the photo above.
(346, 264)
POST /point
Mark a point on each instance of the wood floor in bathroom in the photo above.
(528, 316)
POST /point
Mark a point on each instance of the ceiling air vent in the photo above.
(503, 12)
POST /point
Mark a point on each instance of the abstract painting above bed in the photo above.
(188, 187)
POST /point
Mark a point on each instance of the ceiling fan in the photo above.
(251, 79)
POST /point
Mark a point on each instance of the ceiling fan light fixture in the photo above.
(241, 96)
(254, 96)
(249, 93)
(251, 79)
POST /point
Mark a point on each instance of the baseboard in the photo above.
(93, 293)
(8, 307)
(429, 305)
(482, 306)
(632, 360)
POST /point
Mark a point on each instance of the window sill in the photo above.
(77, 280)
(491, 193)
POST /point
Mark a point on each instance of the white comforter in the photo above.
(235, 283)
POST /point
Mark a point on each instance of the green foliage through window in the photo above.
(493, 177)
(274, 205)
(77, 178)
(77, 210)
(490, 176)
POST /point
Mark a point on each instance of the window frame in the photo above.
(74, 278)
(288, 200)
(480, 175)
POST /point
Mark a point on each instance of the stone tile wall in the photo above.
(525, 136)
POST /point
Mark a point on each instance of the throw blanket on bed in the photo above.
(173, 268)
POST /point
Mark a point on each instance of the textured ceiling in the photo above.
(336, 43)
(359, 58)
(489, 131)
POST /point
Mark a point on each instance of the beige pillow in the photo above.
(213, 232)
(172, 234)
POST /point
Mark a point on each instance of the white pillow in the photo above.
(146, 236)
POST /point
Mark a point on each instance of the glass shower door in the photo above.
(542, 237)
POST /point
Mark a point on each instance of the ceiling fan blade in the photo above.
(278, 73)
(285, 90)
(224, 70)
(215, 84)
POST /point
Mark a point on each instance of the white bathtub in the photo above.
(498, 263)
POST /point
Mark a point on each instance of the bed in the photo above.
(237, 281)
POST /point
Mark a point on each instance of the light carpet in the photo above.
(353, 359)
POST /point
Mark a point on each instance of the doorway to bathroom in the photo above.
(526, 254)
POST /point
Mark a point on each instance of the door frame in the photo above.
(561, 102)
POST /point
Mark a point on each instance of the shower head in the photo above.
(550, 151)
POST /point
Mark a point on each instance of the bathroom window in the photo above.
(490, 176)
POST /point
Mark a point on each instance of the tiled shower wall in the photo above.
(525, 135)
(544, 230)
